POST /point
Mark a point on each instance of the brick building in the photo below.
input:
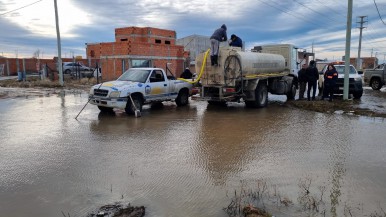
(138, 47)
(367, 62)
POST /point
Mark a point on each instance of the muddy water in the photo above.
(184, 161)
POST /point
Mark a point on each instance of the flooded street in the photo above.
(185, 161)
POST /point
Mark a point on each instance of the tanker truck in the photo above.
(248, 76)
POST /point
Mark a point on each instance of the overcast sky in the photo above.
(29, 25)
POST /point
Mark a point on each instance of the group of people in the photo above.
(309, 76)
(218, 36)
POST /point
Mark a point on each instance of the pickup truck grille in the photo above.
(100, 92)
(340, 81)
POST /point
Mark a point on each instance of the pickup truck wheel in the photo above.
(261, 97)
(376, 84)
(105, 109)
(182, 98)
(357, 95)
(130, 109)
(291, 94)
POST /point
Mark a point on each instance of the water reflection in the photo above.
(230, 137)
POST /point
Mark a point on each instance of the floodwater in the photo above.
(186, 161)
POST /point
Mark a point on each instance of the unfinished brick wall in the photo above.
(138, 43)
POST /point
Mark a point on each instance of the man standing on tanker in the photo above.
(218, 36)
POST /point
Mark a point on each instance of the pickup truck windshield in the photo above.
(340, 69)
(136, 75)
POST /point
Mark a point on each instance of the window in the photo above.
(123, 39)
(140, 63)
(157, 41)
(167, 42)
(157, 76)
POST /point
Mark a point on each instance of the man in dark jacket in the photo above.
(302, 81)
(312, 75)
(218, 36)
(187, 74)
(236, 41)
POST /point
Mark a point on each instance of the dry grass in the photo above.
(35, 82)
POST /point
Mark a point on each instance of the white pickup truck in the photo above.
(144, 85)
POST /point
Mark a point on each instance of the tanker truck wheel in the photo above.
(261, 96)
(291, 94)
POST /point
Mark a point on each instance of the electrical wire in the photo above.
(301, 18)
(314, 10)
(20, 8)
(376, 6)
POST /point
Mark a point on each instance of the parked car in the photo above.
(73, 67)
(355, 80)
(376, 77)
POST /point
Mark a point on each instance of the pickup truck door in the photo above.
(157, 87)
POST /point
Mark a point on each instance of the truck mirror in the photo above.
(360, 72)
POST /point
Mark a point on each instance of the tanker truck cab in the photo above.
(249, 76)
(139, 86)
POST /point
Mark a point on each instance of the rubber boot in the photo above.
(211, 60)
(215, 60)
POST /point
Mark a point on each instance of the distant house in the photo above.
(195, 44)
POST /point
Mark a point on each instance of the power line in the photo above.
(376, 6)
(20, 8)
(336, 12)
(301, 18)
(313, 10)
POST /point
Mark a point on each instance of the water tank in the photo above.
(255, 63)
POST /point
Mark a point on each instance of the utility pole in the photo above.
(359, 62)
(60, 66)
(347, 52)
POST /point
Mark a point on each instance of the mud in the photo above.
(118, 210)
(340, 106)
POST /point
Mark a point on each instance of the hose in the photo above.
(201, 72)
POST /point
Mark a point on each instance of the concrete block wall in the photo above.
(145, 34)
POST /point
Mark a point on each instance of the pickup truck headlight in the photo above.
(91, 91)
(115, 94)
